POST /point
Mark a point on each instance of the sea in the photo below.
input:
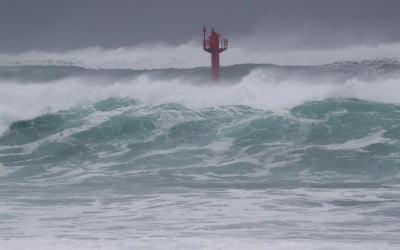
(269, 157)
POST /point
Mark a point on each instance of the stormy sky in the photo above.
(279, 24)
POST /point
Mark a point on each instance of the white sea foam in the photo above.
(146, 218)
(190, 54)
(257, 90)
(357, 144)
(5, 171)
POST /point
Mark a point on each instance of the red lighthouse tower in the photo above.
(214, 46)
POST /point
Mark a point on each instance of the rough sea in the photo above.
(270, 157)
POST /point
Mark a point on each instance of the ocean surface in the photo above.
(270, 157)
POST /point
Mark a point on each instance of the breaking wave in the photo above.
(295, 156)
(189, 55)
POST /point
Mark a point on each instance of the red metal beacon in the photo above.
(214, 46)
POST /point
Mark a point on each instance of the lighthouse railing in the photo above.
(224, 43)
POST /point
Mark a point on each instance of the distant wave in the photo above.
(190, 55)
(365, 69)
(28, 91)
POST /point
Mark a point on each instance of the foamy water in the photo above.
(272, 157)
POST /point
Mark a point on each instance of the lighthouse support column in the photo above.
(215, 65)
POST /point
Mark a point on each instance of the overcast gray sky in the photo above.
(69, 24)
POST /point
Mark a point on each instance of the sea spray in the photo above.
(97, 160)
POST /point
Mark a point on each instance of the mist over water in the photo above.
(31, 90)
(122, 152)
(189, 55)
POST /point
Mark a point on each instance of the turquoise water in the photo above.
(285, 157)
